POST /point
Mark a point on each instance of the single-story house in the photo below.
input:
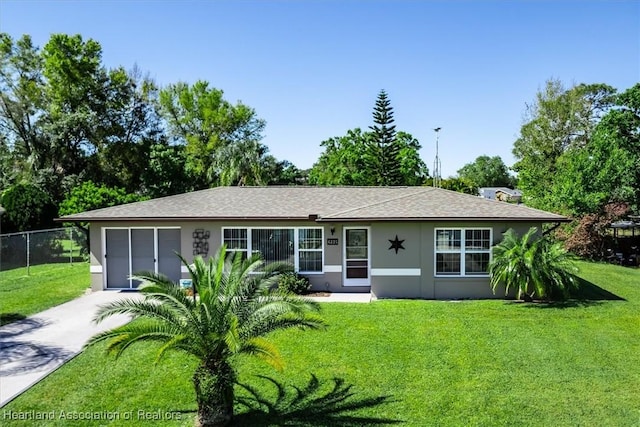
(503, 194)
(395, 242)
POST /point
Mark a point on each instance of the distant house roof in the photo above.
(506, 190)
(318, 203)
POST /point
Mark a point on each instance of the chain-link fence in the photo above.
(29, 248)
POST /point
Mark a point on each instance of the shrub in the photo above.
(533, 266)
(295, 283)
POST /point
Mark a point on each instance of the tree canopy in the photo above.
(487, 171)
(66, 119)
(379, 157)
(560, 119)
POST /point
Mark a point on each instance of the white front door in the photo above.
(356, 256)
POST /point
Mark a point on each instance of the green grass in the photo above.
(46, 286)
(70, 248)
(413, 362)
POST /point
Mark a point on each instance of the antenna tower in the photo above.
(437, 165)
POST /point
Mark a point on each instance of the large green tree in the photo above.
(28, 206)
(344, 161)
(487, 171)
(66, 118)
(89, 196)
(560, 119)
(165, 171)
(607, 168)
(383, 150)
(235, 308)
(214, 131)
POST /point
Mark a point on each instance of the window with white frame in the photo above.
(462, 251)
(300, 246)
(310, 249)
(236, 240)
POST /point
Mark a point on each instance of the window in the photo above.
(302, 247)
(310, 249)
(462, 252)
(236, 240)
(273, 244)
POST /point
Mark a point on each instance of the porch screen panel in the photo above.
(273, 244)
(117, 258)
(142, 251)
(168, 244)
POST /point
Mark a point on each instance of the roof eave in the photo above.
(433, 219)
(181, 218)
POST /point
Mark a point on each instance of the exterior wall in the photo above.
(329, 280)
(396, 275)
(415, 277)
(407, 274)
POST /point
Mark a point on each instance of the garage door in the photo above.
(133, 250)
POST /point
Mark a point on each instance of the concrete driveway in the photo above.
(32, 348)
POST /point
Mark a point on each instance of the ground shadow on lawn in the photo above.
(587, 294)
(319, 403)
(6, 318)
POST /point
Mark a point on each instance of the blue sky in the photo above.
(313, 69)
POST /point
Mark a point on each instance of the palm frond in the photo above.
(264, 350)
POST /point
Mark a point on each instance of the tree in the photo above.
(458, 184)
(383, 149)
(413, 171)
(532, 266)
(343, 161)
(588, 236)
(235, 309)
(21, 97)
(487, 171)
(607, 168)
(132, 128)
(89, 196)
(65, 118)
(200, 118)
(560, 119)
(240, 163)
(28, 207)
(165, 173)
(282, 172)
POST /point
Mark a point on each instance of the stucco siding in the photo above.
(409, 273)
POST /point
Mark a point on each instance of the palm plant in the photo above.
(235, 307)
(532, 266)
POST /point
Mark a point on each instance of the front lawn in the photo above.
(410, 362)
(46, 286)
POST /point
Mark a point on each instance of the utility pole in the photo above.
(437, 165)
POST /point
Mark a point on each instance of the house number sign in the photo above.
(332, 242)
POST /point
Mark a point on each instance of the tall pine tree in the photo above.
(383, 147)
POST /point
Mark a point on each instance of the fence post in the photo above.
(28, 252)
(70, 245)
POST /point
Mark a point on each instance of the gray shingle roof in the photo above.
(328, 203)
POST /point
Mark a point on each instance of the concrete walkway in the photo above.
(32, 348)
(361, 297)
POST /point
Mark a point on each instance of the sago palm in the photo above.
(236, 306)
(532, 266)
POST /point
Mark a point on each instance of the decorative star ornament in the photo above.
(396, 244)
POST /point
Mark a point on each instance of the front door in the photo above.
(356, 256)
